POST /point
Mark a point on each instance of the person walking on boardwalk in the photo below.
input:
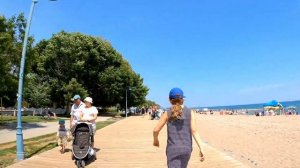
(62, 135)
(181, 126)
(75, 110)
(89, 114)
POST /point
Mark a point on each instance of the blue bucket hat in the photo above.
(61, 121)
(176, 93)
(75, 97)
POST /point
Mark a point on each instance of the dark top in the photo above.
(179, 134)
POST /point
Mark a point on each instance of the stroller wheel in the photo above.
(82, 163)
(78, 164)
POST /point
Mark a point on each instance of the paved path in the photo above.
(31, 130)
(128, 144)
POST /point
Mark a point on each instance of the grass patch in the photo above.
(35, 145)
(32, 146)
(109, 111)
(103, 124)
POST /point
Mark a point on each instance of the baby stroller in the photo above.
(81, 147)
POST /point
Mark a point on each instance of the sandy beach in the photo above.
(262, 142)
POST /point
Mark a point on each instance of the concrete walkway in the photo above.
(31, 130)
(128, 144)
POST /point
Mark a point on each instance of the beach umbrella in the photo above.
(273, 103)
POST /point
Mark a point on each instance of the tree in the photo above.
(11, 37)
(150, 103)
(37, 92)
(95, 65)
(116, 80)
(67, 59)
(73, 88)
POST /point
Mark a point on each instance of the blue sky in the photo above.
(219, 52)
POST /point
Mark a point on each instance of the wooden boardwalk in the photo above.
(128, 144)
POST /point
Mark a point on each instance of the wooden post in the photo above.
(1, 111)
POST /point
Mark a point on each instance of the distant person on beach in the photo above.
(75, 110)
(150, 112)
(154, 111)
(51, 114)
(89, 114)
(181, 126)
(143, 111)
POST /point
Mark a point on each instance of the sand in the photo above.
(260, 142)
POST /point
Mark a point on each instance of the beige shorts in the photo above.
(94, 129)
(62, 141)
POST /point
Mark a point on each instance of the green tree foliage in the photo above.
(150, 103)
(37, 92)
(11, 37)
(73, 88)
(91, 62)
(66, 64)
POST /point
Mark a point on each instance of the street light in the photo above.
(19, 141)
(127, 88)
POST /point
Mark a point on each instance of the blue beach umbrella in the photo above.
(272, 103)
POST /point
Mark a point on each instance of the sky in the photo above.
(218, 52)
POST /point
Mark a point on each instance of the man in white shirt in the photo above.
(76, 110)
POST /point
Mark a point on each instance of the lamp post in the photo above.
(19, 134)
(126, 104)
(1, 111)
(127, 88)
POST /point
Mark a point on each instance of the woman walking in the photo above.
(181, 127)
(89, 114)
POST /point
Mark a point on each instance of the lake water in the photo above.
(254, 106)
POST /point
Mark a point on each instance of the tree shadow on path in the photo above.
(13, 126)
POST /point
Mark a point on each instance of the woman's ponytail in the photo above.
(176, 109)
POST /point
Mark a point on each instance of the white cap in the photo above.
(88, 99)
